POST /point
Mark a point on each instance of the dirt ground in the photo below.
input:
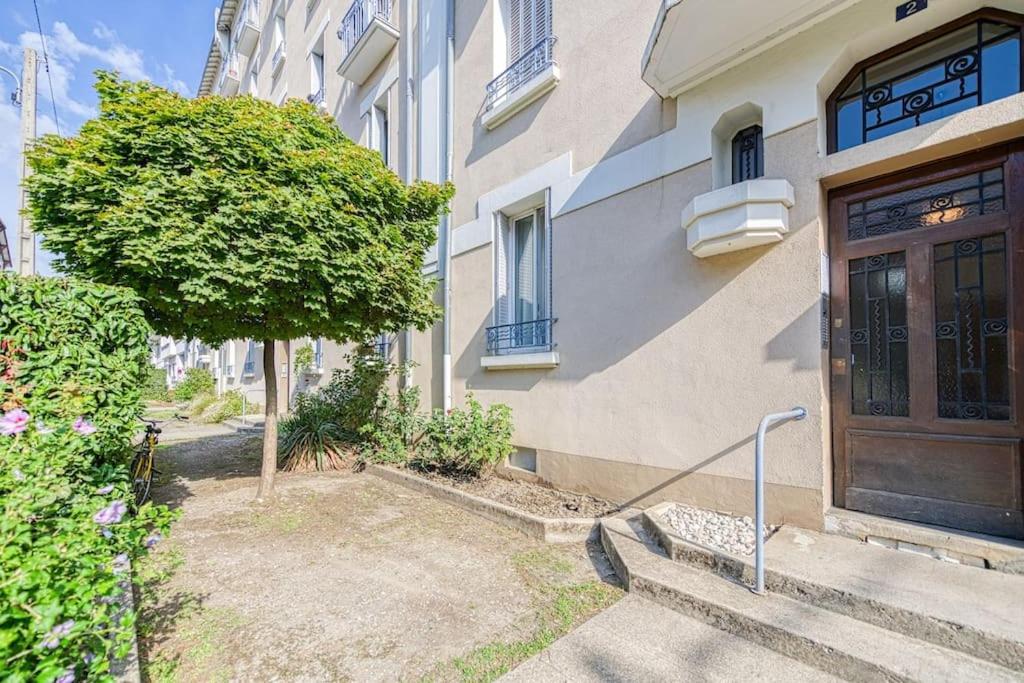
(528, 497)
(345, 577)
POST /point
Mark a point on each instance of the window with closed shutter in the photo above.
(529, 23)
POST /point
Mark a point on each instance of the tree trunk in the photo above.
(265, 492)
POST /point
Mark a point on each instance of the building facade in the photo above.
(669, 222)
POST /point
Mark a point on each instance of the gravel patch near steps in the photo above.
(714, 530)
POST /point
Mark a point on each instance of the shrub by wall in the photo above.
(72, 365)
(195, 382)
(155, 388)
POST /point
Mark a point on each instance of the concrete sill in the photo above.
(740, 216)
(313, 372)
(511, 104)
(521, 361)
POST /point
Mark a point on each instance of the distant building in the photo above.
(5, 250)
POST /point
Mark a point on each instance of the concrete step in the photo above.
(832, 642)
(965, 547)
(966, 608)
(638, 640)
(251, 424)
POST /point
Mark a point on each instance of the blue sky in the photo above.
(164, 41)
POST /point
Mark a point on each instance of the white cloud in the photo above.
(173, 82)
(67, 54)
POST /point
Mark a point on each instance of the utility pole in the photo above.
(27, 238)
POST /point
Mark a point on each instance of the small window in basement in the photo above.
(747, 154)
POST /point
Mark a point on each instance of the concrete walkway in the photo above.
(637, 640)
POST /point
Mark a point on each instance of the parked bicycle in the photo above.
(144, 462)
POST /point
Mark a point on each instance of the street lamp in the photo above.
(16, 95)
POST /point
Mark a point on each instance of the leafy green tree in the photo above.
(235, 218)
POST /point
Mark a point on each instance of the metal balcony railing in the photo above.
(358, 19)
(534, 334)
(540, 57)
(317, 98)
(249, 368)
(229, 69)
(250, 14)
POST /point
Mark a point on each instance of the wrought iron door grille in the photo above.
(981, 64)
(947, 201)
(540, 57)
(971, 329)
(534, 334)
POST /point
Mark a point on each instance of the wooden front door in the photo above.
(927, 355)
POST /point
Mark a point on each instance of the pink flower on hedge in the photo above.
(153, 539)
(67, 677)
(121, 563)
(13, 422)
(52, 639)
(111, 514)
(83, 426)
(105, 490)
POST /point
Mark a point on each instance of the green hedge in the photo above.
(73, 361)
(197, 381)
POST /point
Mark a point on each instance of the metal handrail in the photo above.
(766, 422)
(245, 397)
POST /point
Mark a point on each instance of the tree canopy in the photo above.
(236, 218)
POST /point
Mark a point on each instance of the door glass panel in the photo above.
(938, 203)
(971, 329)
(879, 359)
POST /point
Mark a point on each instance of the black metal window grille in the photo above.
(879, 354)
(946, 201)
(971, 329)
(748, 154)
(533, 334)
(539, 57)
(969, 66)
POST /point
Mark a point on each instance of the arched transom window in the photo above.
(972, 61)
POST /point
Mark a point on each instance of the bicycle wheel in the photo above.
(142, 474)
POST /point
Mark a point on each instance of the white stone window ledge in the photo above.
(521, 361)
(511, 104)
(740, 216)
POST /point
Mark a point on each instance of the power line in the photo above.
(46, 63)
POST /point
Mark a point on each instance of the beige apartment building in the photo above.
(675, 216)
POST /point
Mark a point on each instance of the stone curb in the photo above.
(127, 670)
(559, 530)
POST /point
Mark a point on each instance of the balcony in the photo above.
(247, 28)
(748, 214)
(367, 36)
(317, 99)
(230, 76)
(525, 345)
(529, 77)
(277, 61)
(694, 40)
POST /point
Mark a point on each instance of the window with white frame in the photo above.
(318, 353)
(254, 70)
(522, 310)
(316, 72)
(227, 360)
(380, 126)
(249, 369)
(524, 47)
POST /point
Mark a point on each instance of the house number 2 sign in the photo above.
(909, 8)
